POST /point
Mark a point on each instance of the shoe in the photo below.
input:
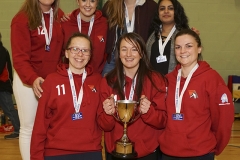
(12, 136)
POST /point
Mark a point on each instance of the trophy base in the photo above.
(124, 156)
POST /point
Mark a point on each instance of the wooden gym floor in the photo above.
(9, 149)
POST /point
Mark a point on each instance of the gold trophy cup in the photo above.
(126, 112)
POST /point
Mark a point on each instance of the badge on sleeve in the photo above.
(177, 116)
(77, 116)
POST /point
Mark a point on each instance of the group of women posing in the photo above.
(63, 107)
(38, 38)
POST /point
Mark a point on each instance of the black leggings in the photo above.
(209, 156)
(82, 156)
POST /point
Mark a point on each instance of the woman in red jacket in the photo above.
(199, 105)
(36, 41)
(132, 79)
(90, 21)
(65, 126)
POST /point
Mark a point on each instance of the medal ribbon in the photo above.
(162, 46)
(131, 94)
(48, 37)
(130, 24)
(178, 99)
(76, 101)
(80, 24)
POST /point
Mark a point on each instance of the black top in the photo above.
(144, 15)
(5, 70)
(163, 66)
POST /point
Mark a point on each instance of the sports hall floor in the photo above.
(9, 149)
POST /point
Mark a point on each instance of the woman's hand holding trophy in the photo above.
(109, 105)
(144, 104)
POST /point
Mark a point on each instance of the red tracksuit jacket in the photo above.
(30, 59)
(144, 131)
(98, 36)
(208, 115)
(54, 131)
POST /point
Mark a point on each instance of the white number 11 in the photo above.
(59, 89)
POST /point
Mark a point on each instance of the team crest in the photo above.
(193, 94)
(92, 88)
(101, 39)
(224, 100)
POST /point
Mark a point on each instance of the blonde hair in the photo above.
(116, 12)
(34, 12)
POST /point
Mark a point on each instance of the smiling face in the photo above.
(187, 50)
(87, 8)
(166, 12)
(78, 61)
(129, 55)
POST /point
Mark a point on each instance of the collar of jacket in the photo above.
(140, 2)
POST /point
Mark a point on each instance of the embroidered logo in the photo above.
(101, 39)
(224, 100)
(92, 88)
(193, 94)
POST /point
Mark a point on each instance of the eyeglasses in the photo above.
(75, 50)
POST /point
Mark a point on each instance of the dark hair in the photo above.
(180, 17)
(80, 35)
(194, 35)
(115, 78)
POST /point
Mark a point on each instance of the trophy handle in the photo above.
(137, 110)
(115, 115)
(137, 113)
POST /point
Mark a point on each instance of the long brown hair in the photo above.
(115, 78)
(34, 12)
(115, 11)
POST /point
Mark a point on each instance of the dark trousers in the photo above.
(152, 156)
(209, 156)
(80, 156)
(6, 103)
